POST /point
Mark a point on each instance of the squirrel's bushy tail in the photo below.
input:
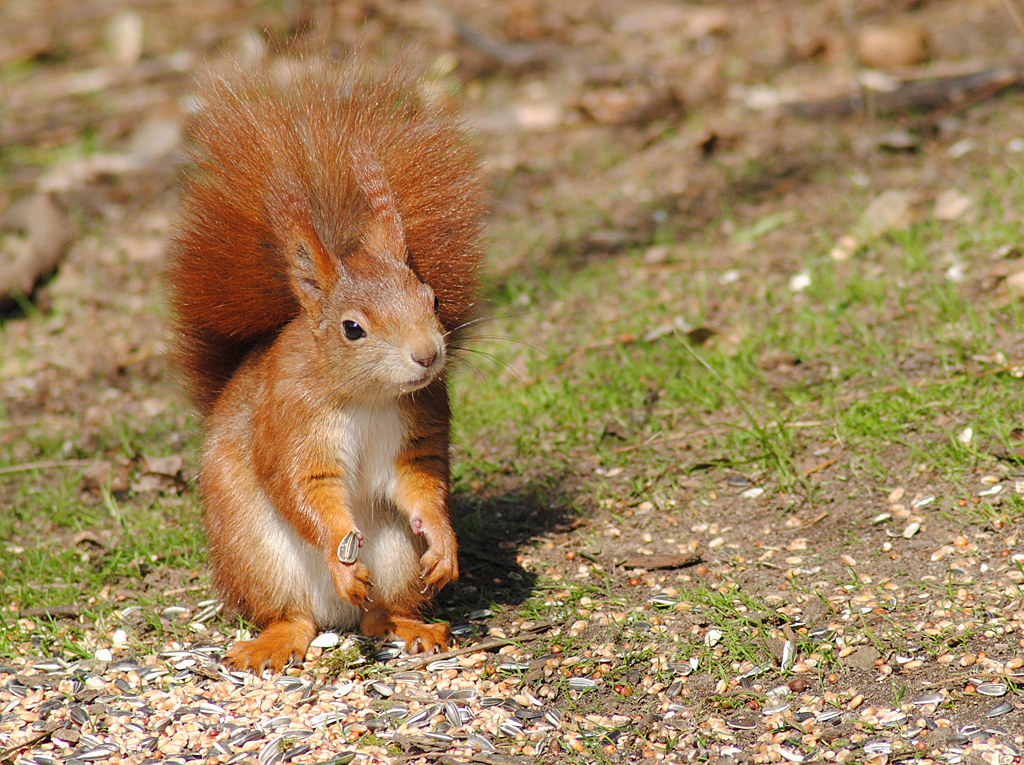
(272, 149)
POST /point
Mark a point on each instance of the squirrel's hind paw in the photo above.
(275, 647)
(417, 636)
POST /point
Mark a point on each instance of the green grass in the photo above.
(896, 345)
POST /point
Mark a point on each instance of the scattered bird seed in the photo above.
(875, 748)
(826, 715)
(511, 727)
(387, 654)
(480, 743)
(742, 722)
(442, 664)
(1000, 709)
(463, 631)
(992, 689)
(325, 640)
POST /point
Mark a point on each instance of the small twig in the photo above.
(819, 466)
(44, 465)
(7, 755)
(654, 562)
(50, 612)
(486, 645)
(815, 519)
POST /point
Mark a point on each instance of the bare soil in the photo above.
(605, 127)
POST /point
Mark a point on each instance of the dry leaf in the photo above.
(951, 205)
(168, 466)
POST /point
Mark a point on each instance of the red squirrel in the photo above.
(325, 258)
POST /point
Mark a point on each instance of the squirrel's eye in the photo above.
(437, 305)
(352, 330)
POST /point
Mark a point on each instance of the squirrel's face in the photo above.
(380, 327)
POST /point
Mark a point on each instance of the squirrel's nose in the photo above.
(425, 360)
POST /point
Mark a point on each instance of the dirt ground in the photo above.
(605, 126)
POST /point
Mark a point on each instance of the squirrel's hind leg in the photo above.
(418, 636)
(276, 645)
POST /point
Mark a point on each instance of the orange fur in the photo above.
(324, 215)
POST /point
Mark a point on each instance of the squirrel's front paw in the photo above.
(441, 561)
(351, 581)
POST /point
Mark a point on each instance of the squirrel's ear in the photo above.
(382, 232)
(313, 270)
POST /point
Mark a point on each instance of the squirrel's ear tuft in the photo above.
(382, 232)
(313, 271)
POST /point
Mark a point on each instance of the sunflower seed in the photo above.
(442, 664)
(274, 723)
(50, 665)
(877, 747)
(582, 683)
(553, 716)
(381, 689)
(325, 719)
(1000, 709)
(480, 743)
(491, 701)
(78, 715)
(674, 689)
(295, 751)
(461, 694)
(789, 754)
(387, 654)
(992, 689)
(712, 637)
(829, 714)
(821, 634)
(663, 600)
(439, 736)
(742, 722)
(464, 630)
(513, 666)
(420, 719)
(482, 613)
(774, 709)
(452, 714)
(511, 727)
(911, 529)
(98, 752)
(788, 655)
(927, 500)
(289, 684)
(929, 698)
(524, 714)
(271, 753)
(407, 677)
(348, 547)
(756, 671)
(243, 736)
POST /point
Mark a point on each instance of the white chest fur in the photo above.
(368, 439)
